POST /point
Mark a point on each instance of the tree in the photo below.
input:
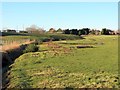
(79, 32)
(105, 31)
(34, 29)
(86, 31)
(67, 31)
(92, 31)
(74, 31)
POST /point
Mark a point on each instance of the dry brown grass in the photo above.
(13, 45)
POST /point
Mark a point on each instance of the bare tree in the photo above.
(35, 29)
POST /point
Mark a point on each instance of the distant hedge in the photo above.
(54, 37)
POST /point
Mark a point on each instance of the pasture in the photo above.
(60, 64)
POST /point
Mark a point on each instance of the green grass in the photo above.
(80, 68)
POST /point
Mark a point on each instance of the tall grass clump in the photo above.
(31, 48)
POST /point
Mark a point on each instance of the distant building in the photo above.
(95, 32)
(59, 30)
(52, 30)
(117, 32)
(111, 32)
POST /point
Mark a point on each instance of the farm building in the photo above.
(52, 30)
(117, 32)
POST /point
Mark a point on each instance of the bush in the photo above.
(31, 48)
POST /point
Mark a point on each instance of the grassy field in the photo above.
(12, 41)
(60, 64)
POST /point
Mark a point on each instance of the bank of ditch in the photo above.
(9, 55)
(8, 58)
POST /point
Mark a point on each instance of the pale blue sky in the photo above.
(63, 15)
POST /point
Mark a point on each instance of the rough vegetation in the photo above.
(60, 64)
(31, 48)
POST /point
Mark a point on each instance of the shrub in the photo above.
(31, 48)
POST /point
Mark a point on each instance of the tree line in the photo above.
(84, 31)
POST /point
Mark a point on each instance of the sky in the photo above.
(93, 15)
